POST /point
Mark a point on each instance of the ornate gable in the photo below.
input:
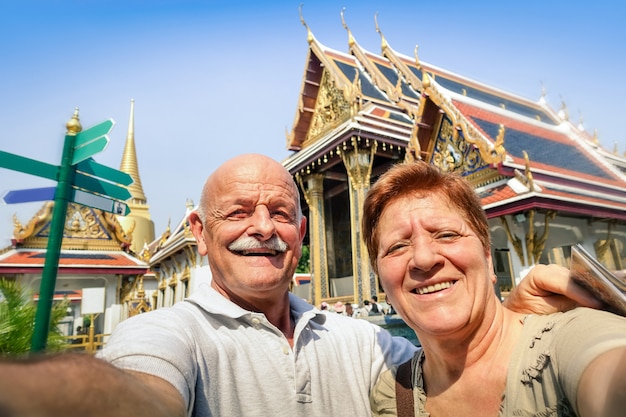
(331, 109)
(85, 228)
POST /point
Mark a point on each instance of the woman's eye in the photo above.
(396, 247)
(447, 235)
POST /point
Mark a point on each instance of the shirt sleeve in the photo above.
(383, 396)
(155, 343)
(585, 335)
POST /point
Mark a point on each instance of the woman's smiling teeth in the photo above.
(433, 288)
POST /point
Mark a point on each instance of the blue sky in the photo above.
(213, 79)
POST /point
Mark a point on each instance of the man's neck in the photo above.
(277, 309)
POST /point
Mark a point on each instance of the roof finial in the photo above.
(417, 60)
(343, 22)
(528, 172)
(581, 126)
(563, 113)
(309, 35)
(384, 44)
(73, 125)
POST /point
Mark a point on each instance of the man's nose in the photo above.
(262, 225)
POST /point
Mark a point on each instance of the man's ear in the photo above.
(196, 226)
(302, 229)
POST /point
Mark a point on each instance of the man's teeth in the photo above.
(433, 288)
(257, 252)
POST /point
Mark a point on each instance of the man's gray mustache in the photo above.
(249, 243)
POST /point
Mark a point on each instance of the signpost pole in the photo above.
(55, 239)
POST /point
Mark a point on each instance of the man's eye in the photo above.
(281, 215)
(238, 214)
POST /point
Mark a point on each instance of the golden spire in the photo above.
(129, 160)
(138, 222)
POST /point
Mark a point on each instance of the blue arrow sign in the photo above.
(29, 195)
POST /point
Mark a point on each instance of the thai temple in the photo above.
(546, 184)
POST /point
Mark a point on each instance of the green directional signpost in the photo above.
(82, 180)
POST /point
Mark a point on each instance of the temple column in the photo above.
(358, 163)
(314, 195)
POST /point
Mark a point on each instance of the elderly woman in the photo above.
(428, 240)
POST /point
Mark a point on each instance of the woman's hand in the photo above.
(547, 289)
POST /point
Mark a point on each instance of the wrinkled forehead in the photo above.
(435, 195)
(253, 182)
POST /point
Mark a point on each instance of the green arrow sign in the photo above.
(91, 141)
(89, 149)
(93, 184)
(93, 133)
(91, 167)
(28, 166)
(100, 202)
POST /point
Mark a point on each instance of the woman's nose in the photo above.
(424, 257)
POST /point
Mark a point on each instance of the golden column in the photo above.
(314, 196)
(358, 163)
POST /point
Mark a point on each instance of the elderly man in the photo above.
(244, 346)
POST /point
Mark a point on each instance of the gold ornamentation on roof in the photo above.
(166, 234)
(351, 40)
(413, 149)
(309, 36)
(528, 173)
(499, 145)
(145, 253)
(331, 108)
(84, 228)
(470, 133)
(417, 61)
(563, 112)
(21, 232)
(384, 44)
(449, 159)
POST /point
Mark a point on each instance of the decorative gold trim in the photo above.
(470, 133)
(331, 109)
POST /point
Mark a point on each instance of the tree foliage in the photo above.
(304, 266)
(17, 320)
